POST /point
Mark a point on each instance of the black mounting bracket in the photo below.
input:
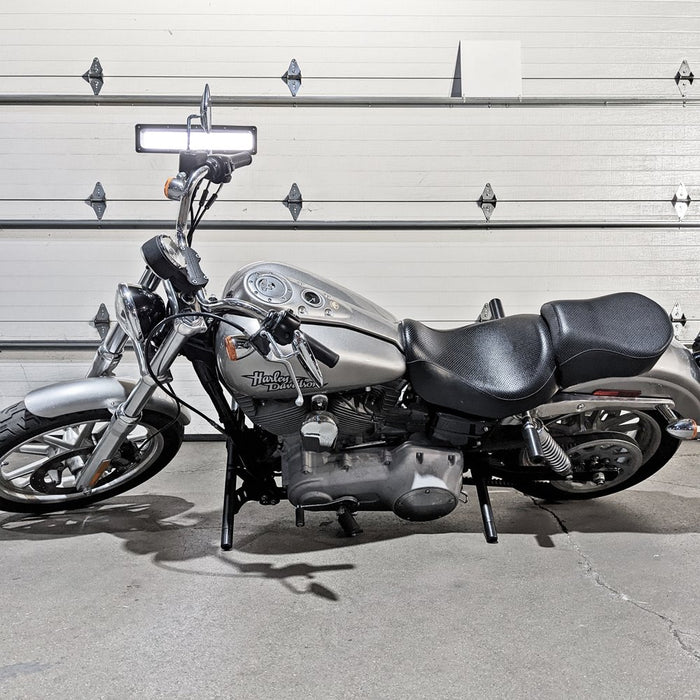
(101, 321)
(681, 201)
(94, 76)
(684, 77)
(293, 201)
(98, 200)
(487, 201)
(292, 77)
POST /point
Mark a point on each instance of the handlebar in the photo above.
(281, 324)
(221, 167)
(321, 352)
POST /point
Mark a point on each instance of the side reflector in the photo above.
(622, 393)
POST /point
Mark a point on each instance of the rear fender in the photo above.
(675, 376)
(95, 393)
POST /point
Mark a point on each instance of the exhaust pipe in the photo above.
(683, 429)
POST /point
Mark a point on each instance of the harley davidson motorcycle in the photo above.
(333, 404)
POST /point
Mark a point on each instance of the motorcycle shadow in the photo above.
(170, 532)
(170, 529)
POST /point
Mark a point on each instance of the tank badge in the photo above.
(278, 381)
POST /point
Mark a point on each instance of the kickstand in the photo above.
(347, 522)
(485, 504)
(229, 508)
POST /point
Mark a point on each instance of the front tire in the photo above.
(40, 458)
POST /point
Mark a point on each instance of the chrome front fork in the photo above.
(128, 414)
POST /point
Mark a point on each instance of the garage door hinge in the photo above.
(293, 201)
(94, 77)
(293, 77)
(678, 320)
(681, 201)
(684, 77)
(101, 321)
(487, 201)
(98, 200)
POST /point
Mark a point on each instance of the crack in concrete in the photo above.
(678, 635)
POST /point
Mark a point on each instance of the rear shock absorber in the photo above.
(543, 448)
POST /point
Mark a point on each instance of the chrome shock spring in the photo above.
(557, 459)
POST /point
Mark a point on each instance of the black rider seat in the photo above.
(619, 335)
(509, 365)
(492, 369)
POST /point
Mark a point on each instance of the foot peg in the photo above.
(345, 509)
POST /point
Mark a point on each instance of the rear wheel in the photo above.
(610, 450)
(41, 458)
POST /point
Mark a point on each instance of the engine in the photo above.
(366, 446)
(416, 481)
(376, 413)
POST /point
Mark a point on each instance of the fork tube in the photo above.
(128, 413)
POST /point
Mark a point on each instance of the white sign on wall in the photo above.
(491, 68)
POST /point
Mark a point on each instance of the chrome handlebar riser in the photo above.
(192, 181)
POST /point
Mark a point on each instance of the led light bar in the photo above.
(172, 138)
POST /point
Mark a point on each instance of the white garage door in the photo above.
(584, 164)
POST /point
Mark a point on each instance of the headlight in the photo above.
(127, 316)
(138, 311)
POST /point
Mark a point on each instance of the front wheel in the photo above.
(41, 458)
(623, 446)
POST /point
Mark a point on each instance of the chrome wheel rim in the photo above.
(45, 467)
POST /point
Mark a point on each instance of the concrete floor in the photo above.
(135, 600)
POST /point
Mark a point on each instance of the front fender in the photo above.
(95, 393)
(675, 376)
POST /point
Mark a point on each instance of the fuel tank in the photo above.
(365, 336)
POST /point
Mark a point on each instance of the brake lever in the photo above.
(275, 354)
(306, 357)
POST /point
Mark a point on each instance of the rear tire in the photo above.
(648, 431)
(40, 458)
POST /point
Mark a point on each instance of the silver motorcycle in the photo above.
(328, 401)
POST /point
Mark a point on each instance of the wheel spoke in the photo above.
(59, 442)
(35, 449)
(24, 470)
(624, 420)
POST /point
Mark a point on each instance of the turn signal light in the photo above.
(230, 344)
(683, 429)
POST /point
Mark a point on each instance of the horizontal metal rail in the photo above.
(92, 345)
(349, 101)
(374, 225)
